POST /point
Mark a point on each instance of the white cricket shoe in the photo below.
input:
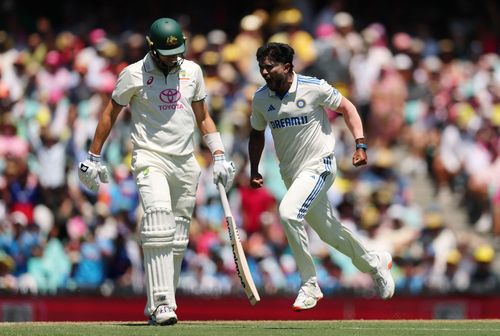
(384, 283)
(309, 295)
(163, 315)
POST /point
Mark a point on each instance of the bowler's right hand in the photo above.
(91, 172)
(256, 181)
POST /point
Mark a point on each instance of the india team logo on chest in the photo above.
(300, 103)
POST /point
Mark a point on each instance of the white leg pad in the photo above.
(157, 235)
(181, 240)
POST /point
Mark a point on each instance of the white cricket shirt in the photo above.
(299, 124)
(162, 117)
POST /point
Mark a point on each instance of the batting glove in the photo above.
(223, 171)
(91, 172)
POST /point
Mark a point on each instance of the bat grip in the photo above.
(224, 200)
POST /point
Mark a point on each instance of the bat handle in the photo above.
(224, 200)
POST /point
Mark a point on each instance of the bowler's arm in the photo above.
(355, 125)
(255, 148)
(351, 117)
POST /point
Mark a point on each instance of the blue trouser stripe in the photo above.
(317, 188)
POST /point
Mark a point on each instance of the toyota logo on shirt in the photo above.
(170, 96)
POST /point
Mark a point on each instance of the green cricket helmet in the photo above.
(166, 38)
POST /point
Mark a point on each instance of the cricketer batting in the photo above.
(166, 96)
(292, 105)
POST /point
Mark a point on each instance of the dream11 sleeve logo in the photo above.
(170, 97)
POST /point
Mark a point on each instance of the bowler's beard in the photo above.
(277, 84)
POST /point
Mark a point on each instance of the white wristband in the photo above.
(219, 158)
(213, 141)
(94, 157)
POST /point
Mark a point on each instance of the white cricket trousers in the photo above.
(166, 181)
(306, 199)
(167, 187)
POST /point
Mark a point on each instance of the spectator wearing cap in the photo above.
(484, 279)
(51, 156)
(347, 41)
(454, 145)
(247, 41)
(438, 240)
(89, 272)
(387, 105)
(20, 239)
(397, 230)
(53, 80)
(14, 75)
(410, 278)
(482, 166)
(288, 29)
(455, 278)
(21, 191)
(382, 173)
(369, 224)
(329, 63)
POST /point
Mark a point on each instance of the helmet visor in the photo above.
(176, 51)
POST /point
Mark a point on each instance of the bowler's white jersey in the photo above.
(162, 117)
(299, 124)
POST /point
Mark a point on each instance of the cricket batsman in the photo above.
(292, 105)
(166, 96)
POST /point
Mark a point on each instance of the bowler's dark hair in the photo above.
(278, 52)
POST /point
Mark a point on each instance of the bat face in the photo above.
(233, 235)
(242, 269)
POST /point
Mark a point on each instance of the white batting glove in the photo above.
(91, 172)
(223, 171)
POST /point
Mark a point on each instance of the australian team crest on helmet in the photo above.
(171, 41)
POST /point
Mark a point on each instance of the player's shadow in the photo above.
(132, 324)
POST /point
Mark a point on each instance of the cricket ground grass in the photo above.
(259, 328)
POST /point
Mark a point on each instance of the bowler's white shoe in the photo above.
(163, 315)
(384, 283)
(309, 295)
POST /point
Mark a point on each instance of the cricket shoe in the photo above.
(163, 315)
(384, 283)
(309, 295)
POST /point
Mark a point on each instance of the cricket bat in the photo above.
(238, 254)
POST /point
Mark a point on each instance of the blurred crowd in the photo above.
(431, 108)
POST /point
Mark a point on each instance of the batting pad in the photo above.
(157, 236)
(181, 239)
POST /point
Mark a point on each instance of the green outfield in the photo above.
(259, 328)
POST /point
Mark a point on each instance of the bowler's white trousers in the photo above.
(306, 199)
